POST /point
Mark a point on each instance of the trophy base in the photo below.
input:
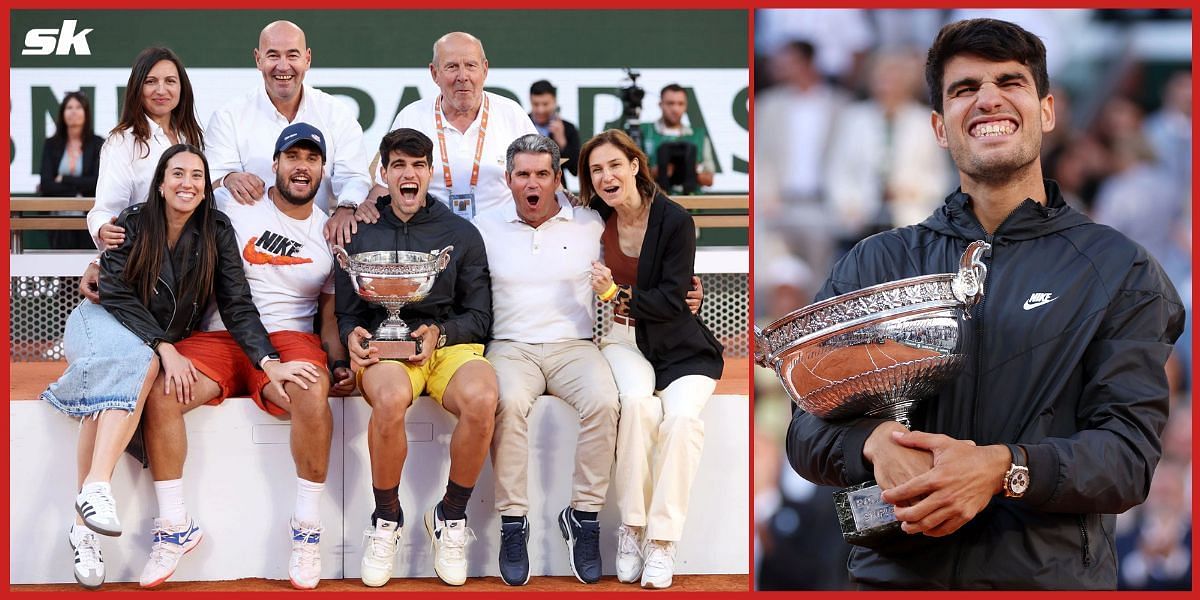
(865, 518)
(395, 349)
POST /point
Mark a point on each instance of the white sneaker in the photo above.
(660, 564)
(171, 542)
(629, 553)
(449, 539)
(96, 505)
(89, 564)
(304, 567)
(379, 552)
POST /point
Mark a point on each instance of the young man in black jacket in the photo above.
(1067, 378)
(452, 323)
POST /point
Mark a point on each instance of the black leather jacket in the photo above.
(1077, 381)
(170, 317)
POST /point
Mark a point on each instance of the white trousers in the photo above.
(659, 438)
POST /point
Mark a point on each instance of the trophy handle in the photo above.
(343, 259)
(967, 284)
(760, 347)
(443, 258)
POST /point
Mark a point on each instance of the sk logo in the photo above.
(42, 42)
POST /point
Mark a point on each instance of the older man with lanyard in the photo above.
(473, 129)
(241, 135)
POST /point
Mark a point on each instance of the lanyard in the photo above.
(437, 115)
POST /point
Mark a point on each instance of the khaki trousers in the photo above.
(576, 372)
(659, 440)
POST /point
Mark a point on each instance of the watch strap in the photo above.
(1018, 455)
(269, 357)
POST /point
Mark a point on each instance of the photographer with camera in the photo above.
(681, 156)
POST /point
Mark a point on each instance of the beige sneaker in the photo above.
(449, 539)
(380, 546)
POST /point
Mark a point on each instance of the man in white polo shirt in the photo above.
(471, 130)
(241, 135)
(540, 251)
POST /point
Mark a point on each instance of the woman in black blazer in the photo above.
(71, 157)
(71, 162)
(665, 361)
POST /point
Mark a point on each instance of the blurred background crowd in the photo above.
(844, 149)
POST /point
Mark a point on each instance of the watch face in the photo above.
(1018, 482)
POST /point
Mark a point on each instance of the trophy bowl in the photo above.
(875, 352)
(393, 279)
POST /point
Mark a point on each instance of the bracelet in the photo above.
(609, 293)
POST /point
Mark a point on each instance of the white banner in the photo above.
(715, 91)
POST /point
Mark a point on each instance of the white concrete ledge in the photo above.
(240, 486)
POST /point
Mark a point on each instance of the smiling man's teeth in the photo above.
(993, 128)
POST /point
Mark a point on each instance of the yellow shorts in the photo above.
(435, 374)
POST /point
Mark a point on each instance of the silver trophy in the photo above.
(875, 352)
(393, 279)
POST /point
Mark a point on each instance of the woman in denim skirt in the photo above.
(178, 252)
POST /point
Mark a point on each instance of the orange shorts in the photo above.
(221, 359)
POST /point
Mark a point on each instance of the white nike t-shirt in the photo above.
(288, 263)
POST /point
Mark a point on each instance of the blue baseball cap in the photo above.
(299, 132)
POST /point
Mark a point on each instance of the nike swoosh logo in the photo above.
(1032, 305)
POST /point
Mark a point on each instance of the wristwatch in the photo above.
(272, 356)
(346, 204)
(441, 342)
(1016, 479)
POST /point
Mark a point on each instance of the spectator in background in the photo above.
(843, 35)
(789, 163)
(158, 111)
(1155, 540)
(673, 147)
(71, 157)
(1153, 220)
(543, 104)
(884, 169)
(71, 161)
(1169, 130)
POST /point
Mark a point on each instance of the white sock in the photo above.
(308, 501)
(170, 501)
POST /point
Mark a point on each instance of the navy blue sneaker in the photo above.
(514, 552)
(583, 544)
